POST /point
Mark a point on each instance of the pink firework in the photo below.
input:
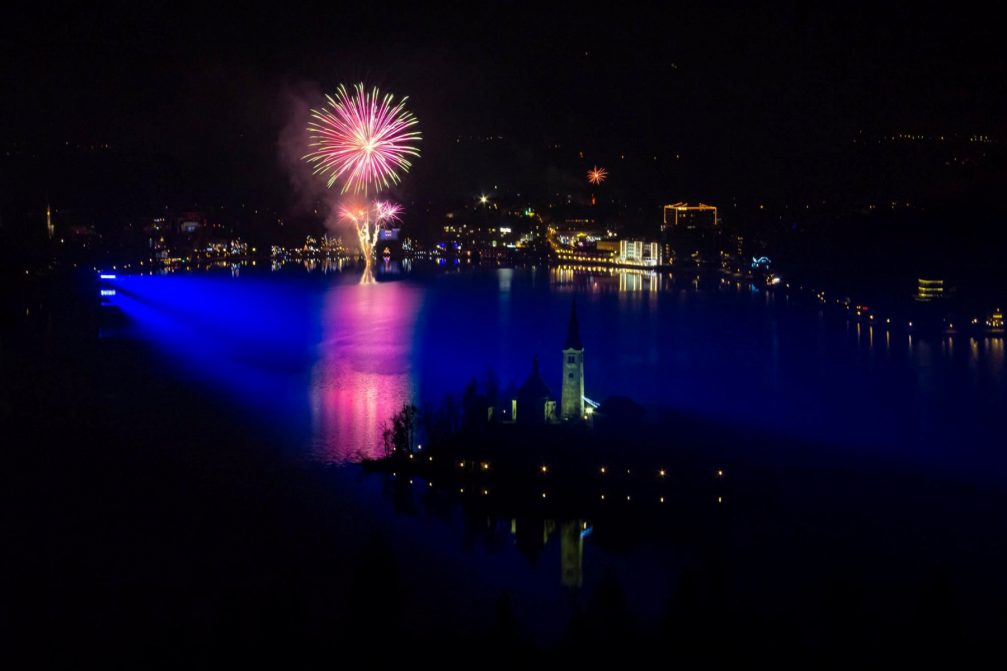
(385, 210)
(597, 175)
(363, 139)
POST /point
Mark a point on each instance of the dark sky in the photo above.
(748, 100)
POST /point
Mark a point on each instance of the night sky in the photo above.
(834, 482)
(703, 103)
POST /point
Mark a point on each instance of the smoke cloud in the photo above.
(311, 195)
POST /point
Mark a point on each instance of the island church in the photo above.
(535, 404)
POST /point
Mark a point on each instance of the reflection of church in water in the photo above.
(532, 536)
(534, 402)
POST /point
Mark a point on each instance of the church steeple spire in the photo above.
(573, 330)
(572, 399)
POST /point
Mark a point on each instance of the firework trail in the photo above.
(368, 222)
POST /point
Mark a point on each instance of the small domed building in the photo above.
(534, 403)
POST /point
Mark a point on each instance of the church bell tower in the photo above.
(572, 400)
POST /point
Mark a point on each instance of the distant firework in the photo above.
(363, 139)
(597, 175)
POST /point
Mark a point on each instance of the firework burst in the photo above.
(364, 139)
(368, 221)
(597, 175)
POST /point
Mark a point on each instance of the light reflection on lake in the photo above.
(324, 358)
(363, 374)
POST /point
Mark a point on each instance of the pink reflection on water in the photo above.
(364, 373)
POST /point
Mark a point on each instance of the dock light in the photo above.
(485, 492)
(602, 497)
(603, 470)
(627, 497)
(545, 469)
(720, 499)
(627, 471)
(419, 447)
(910, 324)
(411, 456)
(543, 495)
(485, 466)
(661, 473)
(461, 464)
(410, 481)
(430, 458)
(461, 490)
(661, 500)
(720, 472)
(394, 474)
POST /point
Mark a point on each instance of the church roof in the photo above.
(534, 387)
(573, 331)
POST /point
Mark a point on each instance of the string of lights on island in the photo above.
(545, 470)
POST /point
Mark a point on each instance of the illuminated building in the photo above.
(190, 222)
(631, 250)
(572, 399)
(607, 246)
(928, 291)
(689, 217)
(690, 231)
(534, 403)
(996, 319)
(637, 252)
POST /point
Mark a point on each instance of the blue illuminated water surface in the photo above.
(323, 361)
(319, 363)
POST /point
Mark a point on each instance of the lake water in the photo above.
(325, 361)
(320, 362)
